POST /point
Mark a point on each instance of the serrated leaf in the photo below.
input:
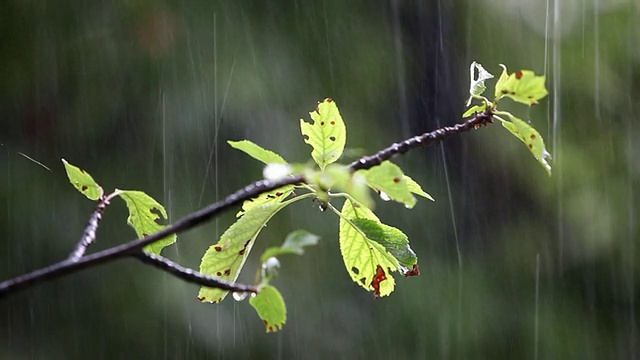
(293, 244)
(475, 109)
(368, 263)
(522, 86)
(272, 197)
(82, 181)
(257, 152)
(392, 239)
(389, 178)
(144, 214)
(327, 135)
(530, 137)
(415, 188)
(477, 86)
(270, 307)
(226, 258)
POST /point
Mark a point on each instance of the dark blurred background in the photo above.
(144, 94)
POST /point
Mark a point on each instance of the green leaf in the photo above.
(144, 214)
(388, 178)
(522, 86)
(415, 188)
(82, 181)
(477, 86)
(257, 152)
(368, 263)
(529, 136)
(327, 135)
(475, 109)
(270, 307)
(272, 197)
(293, 244)
(226, 258)
(393, 240)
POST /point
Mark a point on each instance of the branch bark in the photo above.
(134, 247)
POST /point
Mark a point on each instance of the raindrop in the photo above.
(384, 196)
(239, 296)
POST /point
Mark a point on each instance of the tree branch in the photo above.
(134, 247)
(191, 275)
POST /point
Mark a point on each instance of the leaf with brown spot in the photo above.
(82, 181)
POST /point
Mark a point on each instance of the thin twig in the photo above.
(89, 234)
(194, 219)
(191, 275)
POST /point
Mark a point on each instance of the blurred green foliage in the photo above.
(144, 94)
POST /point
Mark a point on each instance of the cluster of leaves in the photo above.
(145, 213)
(523, 86)
(371, 250)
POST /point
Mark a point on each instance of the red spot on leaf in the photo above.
(396, 180)
(278, 193)
(270, 328)
(84, 187)
(533, 136)
(379, 277)
(227, 272)
(413, 272)
(219, 273)
(322, 123)
(332, 138)
(241, 252)
(505, 91)
(217, 248)
(333, 122)
(519, 75)
(144, 235)
(530, 146)
(201, 298)
(329, 100)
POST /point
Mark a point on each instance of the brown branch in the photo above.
(134, 247)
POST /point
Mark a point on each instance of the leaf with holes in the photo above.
(293, 244)
(82, 181)
(477, 86)
(257, 152)
(272, 197)
(226, 258)
(270, 307)
(393, 240)
(327, 135)
(415, 188)
(144, 214)
(368, 263)
(529, 136)
(388, 178)
(522, 86)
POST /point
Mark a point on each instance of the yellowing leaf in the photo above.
(530, 137)
(415, 188)
(82, 181)
(270, 307)
(272, 197)
(368, 263)
(144, 214)
(257, 152)
(393, 240)
(226, 258)
(522, 86)
(327, 135)
(389, 179)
